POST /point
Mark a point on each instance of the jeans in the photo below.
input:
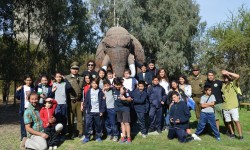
(141, 121)
(155, 115)
(167, 117)
(52, 139)
(93, 118)
(23, 130)
(61, 116)
(110, 122)
(180, 134)
(210, 119)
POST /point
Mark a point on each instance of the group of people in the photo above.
(102, 104)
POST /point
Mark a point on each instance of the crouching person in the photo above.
(94, 106)
(179, 120)
(36, 138)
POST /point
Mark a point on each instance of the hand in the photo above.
(224, 72)
(101, 114)
(19, 88)
(122, 97)
(114, 76)
(62, 76)
(45, 136)
(52, 120)
(162, 102)
(171, 120)
(82, 108)
(177, 121)
(54, 89)
(42, 95)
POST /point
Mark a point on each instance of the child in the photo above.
(47, 116)
(101, 77)
(95, 107)
(22, 94)
(207, 113)
(144, 75)
(157, 97)
(44, 90)
(86, 86)
(110, 117)
(128, 81)
(110, 76)
(139, 96)
(122, 108)
(60, 88)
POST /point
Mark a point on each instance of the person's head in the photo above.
(151, 64)
(141, 85)
(183, 80)
(33, 98)
(48, 103)
(117, 83)
(28, 80)
(126, 73)
(176, 97)
(144, 67)
(87, 79)
(162, 74)
(155, 80)
(95, 83)
(208, 89)
(74, 68)
(226, 78)
(102, 73)
(58, 77)
(174, 84)
(110, 74)
(195, 70)
(210, 75)
(106, 84)
(91, 65)
(44, 79)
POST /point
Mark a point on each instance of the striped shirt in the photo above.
(32, 116)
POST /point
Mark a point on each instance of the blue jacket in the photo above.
(121, 105)
(148, 77)
(156, 95)
(102, 102)
(50, 93)
(140, 101)
(180, 111)
(20, 96)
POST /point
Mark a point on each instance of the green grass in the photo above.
(9, 139)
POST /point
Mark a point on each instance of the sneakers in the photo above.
(99, 140)
(85, 140)
(129, 140)
(232, 136)
(144, 135)
(50, 148)
(240, 138)
(196, 137)
(109, 137)
(218, 139)
(115, 138)
(22, 145)
(123, 140)
(54, 147)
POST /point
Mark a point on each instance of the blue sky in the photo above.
(216, 11)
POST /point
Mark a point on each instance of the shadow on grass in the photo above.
(9, 114)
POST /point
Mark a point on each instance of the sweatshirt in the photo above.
(46, 113)
(156, 94)
(140, 101)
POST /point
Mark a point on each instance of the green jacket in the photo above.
(76, 83)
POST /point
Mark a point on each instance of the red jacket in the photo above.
(46, 113)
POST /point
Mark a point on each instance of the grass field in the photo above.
(10, 134)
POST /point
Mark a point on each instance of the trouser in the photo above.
(167, 117)
(51, 132)
(75, 111)
(197, 107)
(155, 115)
(61, 116)
(36, 142)
(141, 121)
(110, 122)
(93, 118)
(210, 119)
(179, 133)
(22, 127)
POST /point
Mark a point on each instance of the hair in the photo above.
(106, 81)
(109, 71)
(144, 65)
(185, 79)
(117, 81)
(152, 61)
(210, 71)
(127, 70)
(96, 81)
(91, 61)
(164, 77)
(32, 93)
(175, 93)
(90, 78)
(27, 76)
(105, 73)
(172, 82)
(206, 87)
(142, 82)
(155, 77)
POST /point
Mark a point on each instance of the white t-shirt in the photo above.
(130, 83)
(27, 91)
(94, 100)
(165, 85)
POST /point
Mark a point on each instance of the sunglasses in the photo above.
(90, 64)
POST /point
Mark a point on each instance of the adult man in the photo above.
(74, 103)
(230, 105)
(197, 81)
(216, 86)
(91, 69)
(36, 138)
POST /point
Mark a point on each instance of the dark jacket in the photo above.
(102, 102)
(20, 96)
(180, 111)
(148, 77)
(140, 101)
(121, 105)
(216, 90)
(50, 93)
(156, 94)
